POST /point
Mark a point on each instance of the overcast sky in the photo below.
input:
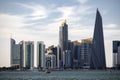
(39, 20)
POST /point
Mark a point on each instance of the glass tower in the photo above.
(98, 55)
(63, 40)
(40, 54)
(15, 53)
(27, 54)
(116, 53)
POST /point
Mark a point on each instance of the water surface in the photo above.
(61, 75)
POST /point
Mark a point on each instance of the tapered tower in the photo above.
(98, 55)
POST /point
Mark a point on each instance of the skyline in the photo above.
(38, 21)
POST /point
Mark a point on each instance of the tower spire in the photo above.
(97, 9)
(64, 22)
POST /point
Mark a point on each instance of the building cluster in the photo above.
(85, 54)
(22, 54)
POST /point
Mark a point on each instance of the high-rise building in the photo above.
(27, 54)
(75, 53)
(67, 59)
(40, 55)
(63, 40)
(15, 53)
(85, 53)
(98, 59)
(71, 49)
(116, 53)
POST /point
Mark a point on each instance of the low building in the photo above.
(50, 60)
(116, 53)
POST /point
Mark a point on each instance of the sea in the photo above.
(61, 75)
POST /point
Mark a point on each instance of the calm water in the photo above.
(61, 75)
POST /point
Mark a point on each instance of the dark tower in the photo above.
(63, 39)
(98, 55)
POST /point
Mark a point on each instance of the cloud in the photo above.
(112, 34)
(13, 24)
(111, 26)
(66, 12)
(73, 13)
(38, 11)
(78, 34)
(20, 29)
(10, 21)
(84, 10)
(82, 1)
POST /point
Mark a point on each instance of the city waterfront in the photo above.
(62, 75)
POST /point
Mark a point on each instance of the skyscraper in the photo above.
(98, 55)
(75, 53)
(71, 48)
(63, 39)
(15, 53)
(27, 54)
(116, 53)
(67, 59)
(40, 54)
(85, 53)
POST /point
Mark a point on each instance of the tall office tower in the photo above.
(27, 54)
(116, 53)
(50, 60)
(40, 55)
(67, 59)
(70, 48)
(15, 53)
(98, 55)
(63, 39)
(75, 53)
(85, 53)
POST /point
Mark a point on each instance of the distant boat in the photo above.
(48, 70)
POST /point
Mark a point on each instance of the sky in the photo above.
(39, 20)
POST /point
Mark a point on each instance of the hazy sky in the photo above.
(39, 20)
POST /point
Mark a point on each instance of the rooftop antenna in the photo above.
(10, 35)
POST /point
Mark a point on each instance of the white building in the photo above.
(58, 58)
(40, 55)
(67, 58)
(27, 54)
(50, 60)
(116, 53)
(15, 53)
